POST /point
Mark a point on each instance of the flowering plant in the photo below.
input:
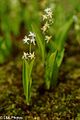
(28, 61)
(52, 49)
(51, 58)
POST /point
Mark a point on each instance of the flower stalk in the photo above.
(28, 62)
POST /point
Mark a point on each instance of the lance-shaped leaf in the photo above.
(5, 48)
(39, 40)
(54, 77)
(50, 63)
(27, 79)
(59, 57)
(61, 34)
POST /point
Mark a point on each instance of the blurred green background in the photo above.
(17, 16)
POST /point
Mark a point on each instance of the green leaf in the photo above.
(1, 41)
(27, 79)
(54, 78)
(5, 48)
(50, 62)
(2, 57)
(8, 41)
(59, 57)
(62, 34)
(40, 41)
(30, 67)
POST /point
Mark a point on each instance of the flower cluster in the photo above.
(48, 13)
(30, 39)
(28, 55)
(47, 18)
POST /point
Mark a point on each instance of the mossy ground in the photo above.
(60, 103)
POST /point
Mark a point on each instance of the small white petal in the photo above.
(26, 39)
(49, 15)
(47, 10)
(47, 38)
(33, 40)
(45, 27)
(25, 55)
(31, 34)
(31, 56)
(44, 17)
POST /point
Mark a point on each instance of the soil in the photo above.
(59, 103)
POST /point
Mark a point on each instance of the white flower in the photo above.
(49, 15)
(26, 39)
(31, 55)
(45, 27)
(47, 38)
(44, 17)
(32, 37)
(31, 34)
(28, 55)
(47, 10)
(33, 40)
(25, 55)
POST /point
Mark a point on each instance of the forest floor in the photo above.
(60, 103)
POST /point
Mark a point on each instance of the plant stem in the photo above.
(30, 48)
